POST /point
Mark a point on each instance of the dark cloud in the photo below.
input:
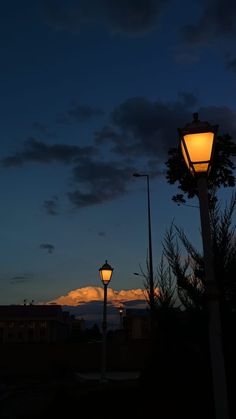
(222, 116)
(187, 55)
(107, 133)
(99, 182)
(20, 279)
(39, 127)
(49, 247)
(43, 129)
(232, 65)
(217, 20)
(143, 128)
(78, 113)
(188, 99)
(137, 137)
(146, 129)
(133, 16)
(126, 16)
(39, 152)
(51, 206)
(102, 233)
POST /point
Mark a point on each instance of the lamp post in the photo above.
(197, 144)
(151, 280)
(121, 310)
(105, 273)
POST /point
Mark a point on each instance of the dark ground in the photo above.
(157, 392)
(174, 381)
(166, 398)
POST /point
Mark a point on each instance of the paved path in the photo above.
(111, 376)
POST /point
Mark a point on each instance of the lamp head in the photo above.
(121, 309)
(141, 175)
(197, 143)
(106, 272)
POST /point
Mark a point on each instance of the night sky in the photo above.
(91, 92)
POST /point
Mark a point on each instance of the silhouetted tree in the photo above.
(146, 283)
(166, 285)
(189, 271)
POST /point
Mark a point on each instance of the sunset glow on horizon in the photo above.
(83, 295)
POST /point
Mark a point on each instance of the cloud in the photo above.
(51, 206)
(84, 295)
(43, 129)
(232, 65)
(39, 152)
(87, 303)
(79, 113)
(142, 128)
(102, 234)
(20, 279)
(107, 133)
(137, 136)
(218, 19)
(99, 182)
(221, 115)
(125, 16)
(49, 247)
(188, 99)
(149, 127)
(187, 54)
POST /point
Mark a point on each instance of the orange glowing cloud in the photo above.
(88, 294)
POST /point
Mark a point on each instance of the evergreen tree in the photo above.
(189, 271)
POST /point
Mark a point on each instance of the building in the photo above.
(34, 323)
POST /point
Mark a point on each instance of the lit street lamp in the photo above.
(197, 145)
(105, 273)
(151, 280)
(121, 311)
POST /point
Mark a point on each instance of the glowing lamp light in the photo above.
(197, 145)
(121, 309)
(106, 272)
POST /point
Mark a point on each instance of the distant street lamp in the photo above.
(121, 311)
(150, 263)
(105, 273)
(197, 145)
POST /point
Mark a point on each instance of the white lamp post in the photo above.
(197, 145)
(105, 273)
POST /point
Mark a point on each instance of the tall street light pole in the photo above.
(151, 277)
(105, 273)
(197, 144)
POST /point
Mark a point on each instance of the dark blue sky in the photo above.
(92, 91)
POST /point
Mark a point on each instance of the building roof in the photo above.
(19, 311)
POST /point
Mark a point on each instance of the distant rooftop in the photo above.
(29, 310)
